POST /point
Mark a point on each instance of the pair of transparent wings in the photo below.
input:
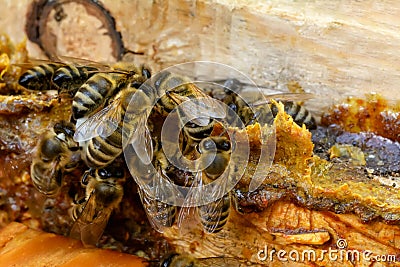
(199, 108)
(46, 180)
(106, 121)
(162, 215)
(188, 217)
(67, 60)
(157, 198)
(92, 221)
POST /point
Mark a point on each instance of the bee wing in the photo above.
(47, 183)
(187, 219)
(36, 61)
(200, 110)
(59, 60)
(201, 106)
(102, 123)
(215, 211)
(161, 215)
(90, 225)
(217, 196)
(284, 97)
(84, 62)
(218, 189)
(141, 141)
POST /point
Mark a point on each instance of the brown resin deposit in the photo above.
(307, 202)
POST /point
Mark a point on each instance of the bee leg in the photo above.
(86, 176)
(78, 201)
(59, 177)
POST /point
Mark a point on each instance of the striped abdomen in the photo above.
(214, 215)
(71, 77)
(39, 77)
(100, 151)
(197, 133)
(94, 92)
(299, 114)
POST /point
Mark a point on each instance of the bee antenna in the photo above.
(78, 200)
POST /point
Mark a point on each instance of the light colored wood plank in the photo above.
(331, 49)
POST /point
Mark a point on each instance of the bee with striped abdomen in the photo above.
(39, 77)
(105, 129)
(106, 133)
(95, 92)
(213, 215)
(56, 153)
(66, 77)
(299, 114)
(254, 106)
(197, 116)
(104, 192)
(70, 77)
(160, 214)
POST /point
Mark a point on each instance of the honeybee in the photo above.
(105, 132)
(299, 114)
(93, 94)
(253, 107)
(161, 215)
(186, 260)
(39, 77)
(214, 215)
(197, 116)
(104, 192)
(65, 77)
(56, 152)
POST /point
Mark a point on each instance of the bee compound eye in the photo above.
(225, 145)
(146, 73)
(119, 173)
(111, 171)
(104, 173)
(51, 148)
(85, 177)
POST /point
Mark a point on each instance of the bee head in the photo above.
(211, 143)
(50, 148)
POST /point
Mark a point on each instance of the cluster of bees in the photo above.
(103, 125)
